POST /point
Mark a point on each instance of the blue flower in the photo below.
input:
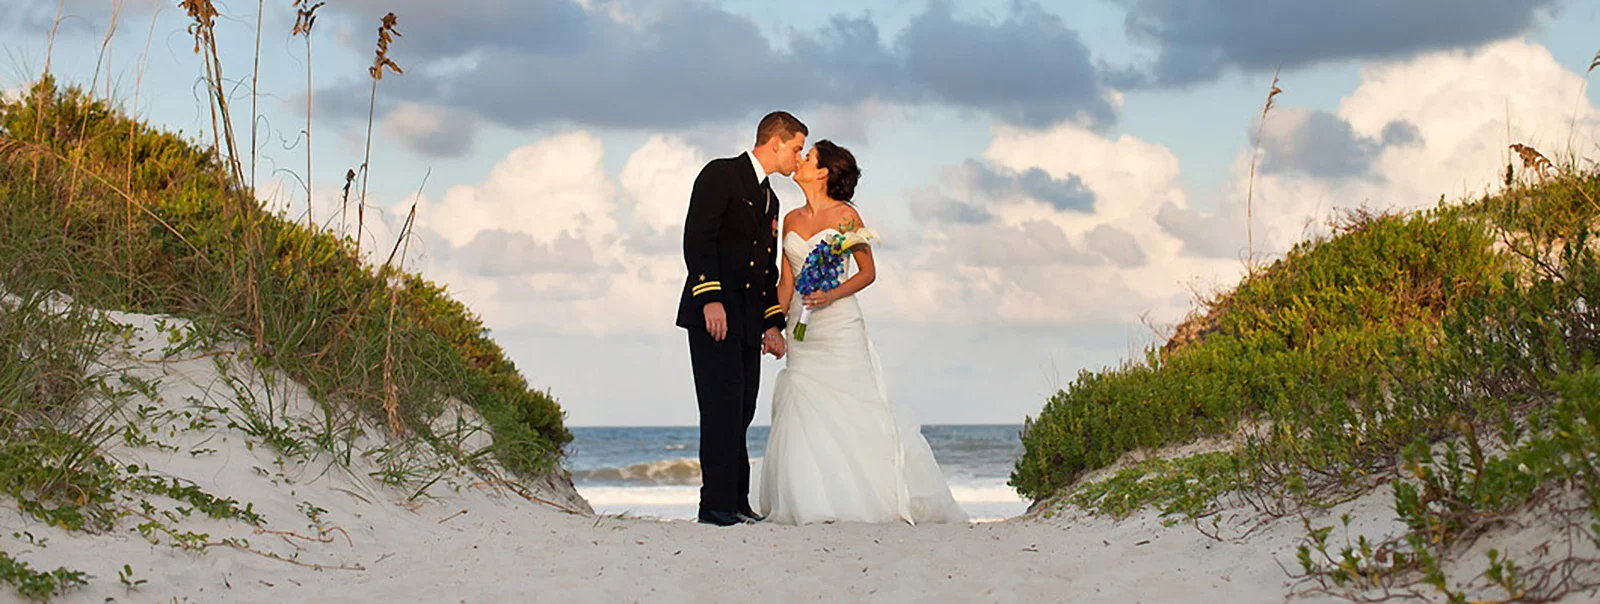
(823, 267)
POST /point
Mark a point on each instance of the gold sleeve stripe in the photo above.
(709, 286)
(773, 311)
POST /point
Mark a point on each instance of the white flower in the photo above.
(861, 236)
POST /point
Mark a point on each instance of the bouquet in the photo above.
(825, 265)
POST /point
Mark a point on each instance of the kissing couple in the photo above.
(839, 450)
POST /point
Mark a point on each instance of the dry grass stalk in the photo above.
(127, 181)
(344, 198)
(83, 125)
(1535, 161)
(39, 101)
(105, 50)
(386, 35)
(1593, 64)
(391, 399)
(255, 81)
(305, 18)
(204, 13)
(1250, 186)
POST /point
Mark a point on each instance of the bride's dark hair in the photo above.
(842, 170)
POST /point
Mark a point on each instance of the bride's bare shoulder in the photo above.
(849, 218)
(793, 220)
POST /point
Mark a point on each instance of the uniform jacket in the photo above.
(730, 245)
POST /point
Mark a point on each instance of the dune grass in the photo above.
(1451, 352)
(101, 212)
(171, 240)
(115, 215)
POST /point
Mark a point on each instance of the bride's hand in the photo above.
(816, 300)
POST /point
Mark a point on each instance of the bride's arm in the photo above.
(785, 283)
(866, 273)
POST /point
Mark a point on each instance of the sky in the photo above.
(1056, 184)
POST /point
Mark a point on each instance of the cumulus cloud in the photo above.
(553, 186)
(1032, 243)
(1029, 69)
(996, 251)
(1116, 245)
(1217, 234)
(501, 253)
(1413, 131)
(1200, 39)
(932, 205)
(1128, 176)
(13, 93)
(550, 242)
(657, 180)
(429, 130)
(1323, 145)
(77, 16)
(1062, 225)
(554, 61)
(1003, 185)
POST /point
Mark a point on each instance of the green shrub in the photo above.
(149, 223)
(1293, 344)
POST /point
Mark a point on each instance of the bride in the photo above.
(839, 449)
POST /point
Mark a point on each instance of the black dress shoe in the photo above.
(750, 515)
(722, 518)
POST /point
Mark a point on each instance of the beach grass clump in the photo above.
(1451, 353)
(38, 585)
(1375, 289)
(56, 411)
(1182, 487)
(100, 212)
(169, 231)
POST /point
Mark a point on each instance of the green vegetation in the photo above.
(1329, 310)
(121, 216)
(100, 212)
(1187, 486)
(1450, 352)
(37, 585)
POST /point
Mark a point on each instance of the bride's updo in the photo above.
(842, 170)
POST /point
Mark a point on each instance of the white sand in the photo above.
(469, 542)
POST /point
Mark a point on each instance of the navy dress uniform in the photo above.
(730, 247)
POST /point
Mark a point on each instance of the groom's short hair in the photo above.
(781, 124)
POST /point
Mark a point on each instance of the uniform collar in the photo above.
(755, 164)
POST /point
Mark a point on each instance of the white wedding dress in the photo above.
(839, 449)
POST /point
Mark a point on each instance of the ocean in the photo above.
(655, 472)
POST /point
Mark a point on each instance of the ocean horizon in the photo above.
(654, 471)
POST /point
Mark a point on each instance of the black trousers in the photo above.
(727, 375)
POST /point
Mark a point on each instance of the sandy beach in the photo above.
(332, 534)
(484, 547)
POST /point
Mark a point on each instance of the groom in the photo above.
(730, 306)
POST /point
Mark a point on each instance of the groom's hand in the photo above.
(773, 343)
(716, 321)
